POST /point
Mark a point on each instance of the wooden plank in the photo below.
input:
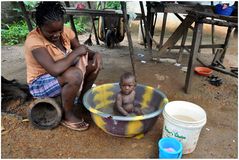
(93, 23)
(195, 47)
(155, 20)
(179, 59)
(150, 17)
(201, 46)
(146, 27)
(219, 69)
(177, 8)
(225, 71)
(217, 57)
(229, 31)
(217, 16)
(219, 23)
(213, 31)
(181, 19)
(177, 34)
(187, 49)
(72, 21)
(94, 12)
(199, 49)
(163, 29)
(142, 32)
(90, 12)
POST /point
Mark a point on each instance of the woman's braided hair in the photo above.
(48, 12)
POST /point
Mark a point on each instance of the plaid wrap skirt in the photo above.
(45, 86)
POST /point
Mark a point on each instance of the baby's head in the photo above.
(127, 83)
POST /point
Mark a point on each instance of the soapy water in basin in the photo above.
(112, 111)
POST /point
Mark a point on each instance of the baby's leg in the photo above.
(138, 111)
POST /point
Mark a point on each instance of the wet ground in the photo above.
(218, 138)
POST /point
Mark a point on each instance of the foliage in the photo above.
(113, 5)
(30, 5)
(80, 24)
(15, 33)
(109, 5)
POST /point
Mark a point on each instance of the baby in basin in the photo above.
(125, 99)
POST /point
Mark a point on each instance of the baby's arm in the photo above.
(119, 102)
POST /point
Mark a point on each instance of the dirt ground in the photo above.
(218, 138)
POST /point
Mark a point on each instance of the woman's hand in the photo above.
(97, 62)
(82, 50)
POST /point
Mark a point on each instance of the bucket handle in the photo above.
(180, 155)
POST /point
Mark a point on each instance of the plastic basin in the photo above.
(203, 71)
(100, 102)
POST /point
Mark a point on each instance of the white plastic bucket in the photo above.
(184, 121)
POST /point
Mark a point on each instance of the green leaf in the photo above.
(15, 33)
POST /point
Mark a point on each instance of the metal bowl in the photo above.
(100, 102)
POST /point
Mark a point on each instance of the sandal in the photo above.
(77, 126)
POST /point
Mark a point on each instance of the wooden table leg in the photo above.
(163, 29)
(146, 27)
(197, 34)
(72, 21)
(142, 32)
(150, 17)
(184, 38)
(229, 31)
(213, 31)
(93, 23)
